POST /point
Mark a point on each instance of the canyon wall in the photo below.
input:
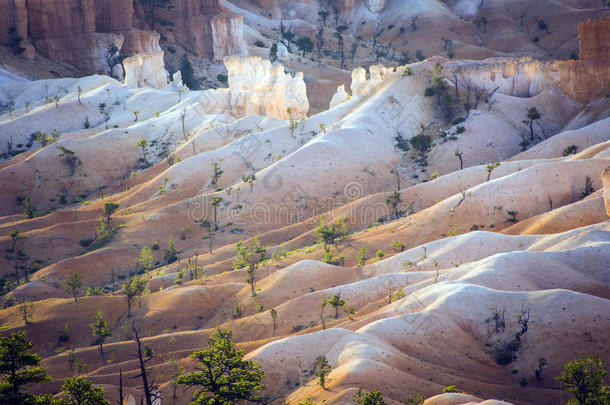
(374, 6)
(204, 28)
(79, 32)
(145, 68)
(583, 80)
(594, 39)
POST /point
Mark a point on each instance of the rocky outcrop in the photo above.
(606, 184)
(339, 97)
(594, 40)
(80, 32)
(145, 70)
(525, 77)
(204, 28)
(361, 84)
(227, 36)
(584, 80)
(258, 87)
(374, 6)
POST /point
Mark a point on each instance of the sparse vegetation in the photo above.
(369, 398)
(29, 211)
(398, 246)
(584, 379)
(223, 377)
(69, 159)
(570, 150)
(336, 302)
(19, 369)
(362, 258)
(322, 369)
(442, 98)
(145, 259)
(250, 255)
(490, 168)
(170, 254)
(80, 391)
(72, 284)
(188, 74)
(330, 233)
(588, 190)
(393, 201)
(100, 331)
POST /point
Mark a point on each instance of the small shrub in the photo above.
(570, 150)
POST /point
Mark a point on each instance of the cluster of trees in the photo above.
(20, 369)
(329, 234)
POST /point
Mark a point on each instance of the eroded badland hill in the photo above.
(418, 191)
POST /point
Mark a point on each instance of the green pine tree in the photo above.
(224, 377)
(19, 369)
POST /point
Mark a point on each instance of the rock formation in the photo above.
(606, 183)
(584, 80)
(146, 67)
(145, 70)
(259, 87)
(204, 28)
(361, 83)
(80, 33)
(594, 39)
(340, 97)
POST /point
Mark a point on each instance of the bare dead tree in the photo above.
(463, 194)
(144, 355)
(458, 153)
(121, 387)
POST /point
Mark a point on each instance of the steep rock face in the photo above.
(583, 80)
(606, 183)
(227, 36)
(146, 67)
(204, 28)
(78, 32)
(594, 39)
(374, 6)
(259, 87)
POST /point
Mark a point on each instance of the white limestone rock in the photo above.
(258, 87)
(340, 97)
(377, 74)
(145, 70)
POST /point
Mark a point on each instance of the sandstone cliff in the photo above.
(81, 32)
(204, 28)
(594, 39)
(584, 80)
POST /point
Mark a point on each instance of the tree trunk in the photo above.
(121, 387)
(143, 374)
